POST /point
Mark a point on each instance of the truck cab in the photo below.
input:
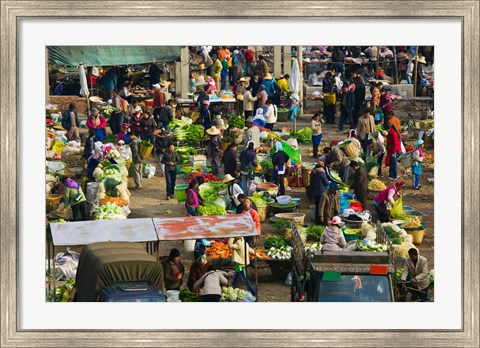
(344, 276)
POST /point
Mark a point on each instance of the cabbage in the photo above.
(220, 202)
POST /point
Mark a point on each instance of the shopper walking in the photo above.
(71, 124)
(136, 160)
(171, 160)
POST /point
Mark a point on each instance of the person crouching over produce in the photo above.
(210, 285)
(75, 198)
(360, 183)
(332, 238)
(415, 268)
(216, 148)
(123, 135)
(256, 219)
(136, 160)
(197, 270)
(191, 202)
(170, 159)
(317, 121)
(173, 270)
(340, 161)
(385, 200)
(97, 157)
(329, 205)
(376, 148)
(417, 159)
(240, 260)
(233, 190)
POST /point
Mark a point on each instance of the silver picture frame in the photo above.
(13, 11)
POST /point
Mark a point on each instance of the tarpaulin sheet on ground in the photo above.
(196, 227)
(105, 264)
(111, 55)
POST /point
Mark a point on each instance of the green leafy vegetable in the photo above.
(303, 136)
(314, 233)
(211, 210)
(274, 242)
(282, 225)
(236, 122)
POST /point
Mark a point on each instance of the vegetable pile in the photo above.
(110, 211)
(211, 210)
(314, 233)
(207, 177)
(117, 200)
(230, 294)
(290, 204)
(62, 293)
(146, 143)
(372, 247)
(108, 110)
(303, 136)
(236, 122)
(187, 296)
(412, 222)
(110, 138)
(209, 190)
(274, 242)
(184, 152)
(376, 185)
(218, 250)
(282, 253)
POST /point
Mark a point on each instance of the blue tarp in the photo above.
(111, 55)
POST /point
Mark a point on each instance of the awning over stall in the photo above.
(111, 55)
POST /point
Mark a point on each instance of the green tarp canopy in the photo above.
(111, 55)
(107, 263)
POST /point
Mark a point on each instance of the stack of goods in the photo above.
(402, 242)
(112, 196)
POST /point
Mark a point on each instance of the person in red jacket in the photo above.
(256, 219)
(97, 123)
(393, 149)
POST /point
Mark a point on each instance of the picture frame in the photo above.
(13, 11)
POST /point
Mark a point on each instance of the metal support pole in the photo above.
(415, 73)
(184, 73)
(277, 60)
(287, 60)
(395, 68)
(300, 66)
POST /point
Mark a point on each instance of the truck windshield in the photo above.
(355, 288)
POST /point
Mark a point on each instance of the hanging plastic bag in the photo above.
(397, 208)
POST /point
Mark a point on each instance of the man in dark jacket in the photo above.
(229, 160)
(70, 123)
(328, 86)
(347, 106)
(359, 93)
(255, 82)
(338, 57)
(360, 183)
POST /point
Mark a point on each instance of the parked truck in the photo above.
(343, 276)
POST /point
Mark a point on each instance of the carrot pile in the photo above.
(218, 250)
(117, 200)
(428, 157)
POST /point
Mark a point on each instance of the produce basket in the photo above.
(145, 151)
(417, 235)
(297, 218)
(406, 159)
(287, 209)
(282, 115)
(73, 159)
(53, 201)
(262, 212)
(349, 237)
(285, 199)
(348, 148)
(354, 223)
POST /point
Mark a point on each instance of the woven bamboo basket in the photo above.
(53, 201)
(73, 159)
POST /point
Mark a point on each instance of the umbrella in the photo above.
(295, 85)
(84, 92)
